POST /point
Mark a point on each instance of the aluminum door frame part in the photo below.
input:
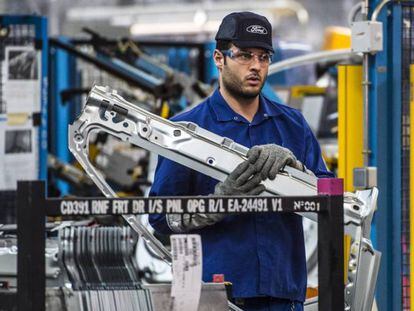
(216, 156)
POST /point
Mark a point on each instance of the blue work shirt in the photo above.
(261, 254)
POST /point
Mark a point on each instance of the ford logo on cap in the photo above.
(257, 29)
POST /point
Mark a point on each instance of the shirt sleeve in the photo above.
(313, 156)
(171, 179)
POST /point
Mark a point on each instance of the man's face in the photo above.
(244, 72)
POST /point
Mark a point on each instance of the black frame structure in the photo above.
(33, 207)
(130, 77)
(146, 43)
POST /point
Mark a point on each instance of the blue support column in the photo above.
(41, 34)
(61, 113)
(385, 95)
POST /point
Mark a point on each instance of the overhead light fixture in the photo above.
(147, 29)
(200, 17)
(197, 13)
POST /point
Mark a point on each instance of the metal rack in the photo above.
(33, 207)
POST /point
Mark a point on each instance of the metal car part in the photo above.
(364, 260)
(215, 156)
(183, 142)
(8, 261)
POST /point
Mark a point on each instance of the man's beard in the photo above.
(234, 86)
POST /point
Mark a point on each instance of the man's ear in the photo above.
(218, 59)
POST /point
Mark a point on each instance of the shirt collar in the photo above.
(223, 111)
(220, 107)
(269, 108)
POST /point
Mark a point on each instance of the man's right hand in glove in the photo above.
(244, 180)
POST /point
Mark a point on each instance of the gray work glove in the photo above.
(270, 159)
(244, 180)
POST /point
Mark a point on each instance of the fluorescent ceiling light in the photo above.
(272, 7)
(141, 29)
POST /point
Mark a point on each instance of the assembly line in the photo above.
(198, 156)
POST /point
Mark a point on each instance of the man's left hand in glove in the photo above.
(270, 159)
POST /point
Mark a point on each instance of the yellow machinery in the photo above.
(350, 133)
(350, 128)
(336, 37)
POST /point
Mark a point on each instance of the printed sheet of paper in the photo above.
(18, 154)
(187, 272)
(19, 151)
(21, 80)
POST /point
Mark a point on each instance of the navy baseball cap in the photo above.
(246, 30)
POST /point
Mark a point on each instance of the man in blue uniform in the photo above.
(263, 255)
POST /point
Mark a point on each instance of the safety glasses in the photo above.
(247, 57)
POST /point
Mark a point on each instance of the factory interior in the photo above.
(206, 155)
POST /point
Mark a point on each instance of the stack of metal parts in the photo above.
(8, 260)
(55, 279)
(101, 267)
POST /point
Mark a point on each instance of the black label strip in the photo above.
(181, 205)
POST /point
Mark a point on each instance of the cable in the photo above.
(353, 12)
(378, 9)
